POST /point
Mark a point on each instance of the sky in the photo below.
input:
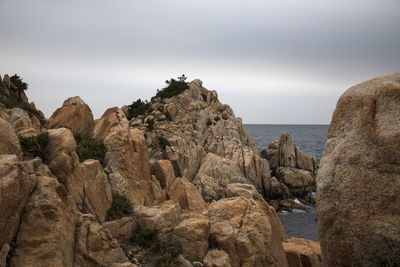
(273, 62)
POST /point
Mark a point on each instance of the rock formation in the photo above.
(358, 183)
(184, 187)
(293, 174)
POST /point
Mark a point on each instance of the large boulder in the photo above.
(9, 142)
(125, 158)
(215, 174)
(185, 193)
(46, 234)
(300, 182)
(358, 183)
(302, 252)
(248, 230)
(22, 124)
(75, 115)
(16, 185)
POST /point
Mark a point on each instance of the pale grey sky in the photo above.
(285, 61)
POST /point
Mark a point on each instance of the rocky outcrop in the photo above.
(302, 252)
(23, 124)
(16, 185)
(9, 143)
(74, 115)
(294, 174)
(128, 177)
(358, 183)
(206, 143)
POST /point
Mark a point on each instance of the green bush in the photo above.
(148, 238)
(150, 124)
(18, 83)
(35, 146)
(168, 115)
(204, 96)
(138, 107)
(163, 142)
(174, 88)
(209, 122)
(212, 242)
(120, 207)
(88, 148)
(217, 118)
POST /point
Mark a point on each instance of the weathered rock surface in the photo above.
(201, 130)
(217, 258)
(46, 232)
(185, 193)
(121, 229)
(294, 173)
(358, 183)
(127, 177)
(302, 252)
(9, 142)
(16, 185)
(23, 125)
(74, 115)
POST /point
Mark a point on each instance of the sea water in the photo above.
(311, 140)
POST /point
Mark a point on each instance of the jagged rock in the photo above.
(276, 190)
(191, 238)
(302, 252)
(287, 154)
(217, 258)
(127, 176)
(95, 246)
(16, 185)
(300, 182)
(183, 262)
(244, 190)
(4, 158)
(202, 126)
(185, 193)
(46, 232)
(358, 197)
(249, 231)
(164, 172)
(304, 161)
(215, 174)
(9, 142)
(158, 217)
(121, 229)
(23, 124)
(97, 190)
(74, 115)
(64, 162)
(156, 190)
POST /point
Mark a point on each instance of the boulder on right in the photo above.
(358, 183)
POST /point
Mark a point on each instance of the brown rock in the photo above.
(3, 255)
(287, 155)
(249, 231)
(46, 232)
(74, 115)
(216, 258)
(164, 172)
(9, 142)
(358, 183)
(126, 159)
(95, 246)
(185, 193)
(121, 229)
(15, 187)
(304, 161)
(22, 123)
(158, 217)
(97, 190)
(191, 238)
(302, 252)
(300, 182)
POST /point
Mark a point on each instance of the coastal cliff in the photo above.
(179, 183)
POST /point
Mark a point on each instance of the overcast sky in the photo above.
(272, 61)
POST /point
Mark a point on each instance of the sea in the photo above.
(311, 140)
